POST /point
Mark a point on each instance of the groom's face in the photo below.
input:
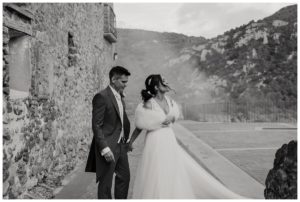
(119, 82)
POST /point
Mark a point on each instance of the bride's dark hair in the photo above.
(150, 83)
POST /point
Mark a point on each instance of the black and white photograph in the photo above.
(149, 100)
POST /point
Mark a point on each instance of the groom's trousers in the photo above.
(121, 167)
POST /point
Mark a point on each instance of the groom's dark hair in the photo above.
(118, 70)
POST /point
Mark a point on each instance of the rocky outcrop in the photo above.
(281, 182)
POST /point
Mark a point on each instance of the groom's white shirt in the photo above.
(120, 105)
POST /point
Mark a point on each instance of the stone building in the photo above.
(56, 57)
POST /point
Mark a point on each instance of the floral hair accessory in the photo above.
(149, 81)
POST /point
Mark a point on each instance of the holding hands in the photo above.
(129, 147)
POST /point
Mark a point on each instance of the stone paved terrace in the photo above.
(248, 149)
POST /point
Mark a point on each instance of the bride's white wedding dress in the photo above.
(165, 170)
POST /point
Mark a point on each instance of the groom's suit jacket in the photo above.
(107, 126)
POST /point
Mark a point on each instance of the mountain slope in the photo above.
(256, 61)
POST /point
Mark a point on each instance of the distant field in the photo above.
(250, 146)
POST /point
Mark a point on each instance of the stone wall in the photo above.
(46, 134)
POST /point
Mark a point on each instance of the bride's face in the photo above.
(164, 81)
(163, 87)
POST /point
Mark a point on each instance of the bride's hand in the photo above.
(166, 123)
(168, 120)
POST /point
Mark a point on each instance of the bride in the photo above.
(165, 170)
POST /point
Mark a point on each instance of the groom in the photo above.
(111, 127)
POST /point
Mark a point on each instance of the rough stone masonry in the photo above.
(47, 132)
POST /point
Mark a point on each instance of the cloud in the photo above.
(212, 19)
(196, 19)
(151, 16)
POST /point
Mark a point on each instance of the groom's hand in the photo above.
(109, 156)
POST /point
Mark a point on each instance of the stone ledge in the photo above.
(225, 171)
(21, 27)
(20, 10)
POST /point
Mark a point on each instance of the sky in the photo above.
(192, 19)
